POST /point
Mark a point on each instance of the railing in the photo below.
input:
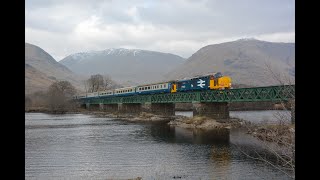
(270, 93)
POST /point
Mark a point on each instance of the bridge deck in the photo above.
(270, 93)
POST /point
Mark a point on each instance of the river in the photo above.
(77, 146)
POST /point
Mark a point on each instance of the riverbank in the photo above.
(265, 132)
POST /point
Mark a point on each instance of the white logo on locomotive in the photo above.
(201, 83)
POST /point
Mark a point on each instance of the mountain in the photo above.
(127, 66)
(36, 80)
(41, 70)
(245, 60)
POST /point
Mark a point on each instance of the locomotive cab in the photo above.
(173, 88)
(220, 82)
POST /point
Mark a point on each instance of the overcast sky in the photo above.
(181, 27)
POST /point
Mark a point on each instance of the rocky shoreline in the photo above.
(262, 132)
(197, 122)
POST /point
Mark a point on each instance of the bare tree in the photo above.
(59, 95)
(109, 83)
(278, 139)
(100, 82)
(96, 83)
(86, 85)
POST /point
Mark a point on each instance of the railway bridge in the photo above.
(210, 103)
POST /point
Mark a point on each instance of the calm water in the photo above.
(84, 147)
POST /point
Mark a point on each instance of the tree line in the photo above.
(58, 97)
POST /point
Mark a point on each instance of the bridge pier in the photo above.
(165, 109)
(101, 106)
(94, 107)
(216, 110)
(110, 107)
(146, 107)
(82, 106)
(133, 108)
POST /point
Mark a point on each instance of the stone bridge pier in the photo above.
(110, 107)
(132, 108)
(215, 110)
(87, 105)
(165, 109)
(93, 106)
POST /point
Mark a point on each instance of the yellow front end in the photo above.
(221, 83)
(173, 88)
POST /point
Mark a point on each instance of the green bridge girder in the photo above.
(270, 93)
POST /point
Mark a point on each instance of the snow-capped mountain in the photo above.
(131, 66)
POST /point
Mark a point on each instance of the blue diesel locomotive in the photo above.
(211, 81)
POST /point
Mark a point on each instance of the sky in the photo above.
(181, 27)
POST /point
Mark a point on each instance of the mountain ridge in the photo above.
(41, 69)
(127, 66)
(246, 61)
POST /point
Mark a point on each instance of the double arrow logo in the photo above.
(201, 83)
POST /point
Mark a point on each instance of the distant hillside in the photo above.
(36, 80)
(127, 66)
(244, 60)
(41, 70)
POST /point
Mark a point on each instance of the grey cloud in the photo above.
(176, 26)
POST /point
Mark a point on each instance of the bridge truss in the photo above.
(270, 93)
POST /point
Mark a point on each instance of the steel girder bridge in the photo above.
(270, 93)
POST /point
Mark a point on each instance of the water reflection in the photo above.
(164, 132)
(102, 148)
(221, 160)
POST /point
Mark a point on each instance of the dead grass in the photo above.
(197, 120)
(145, 115)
